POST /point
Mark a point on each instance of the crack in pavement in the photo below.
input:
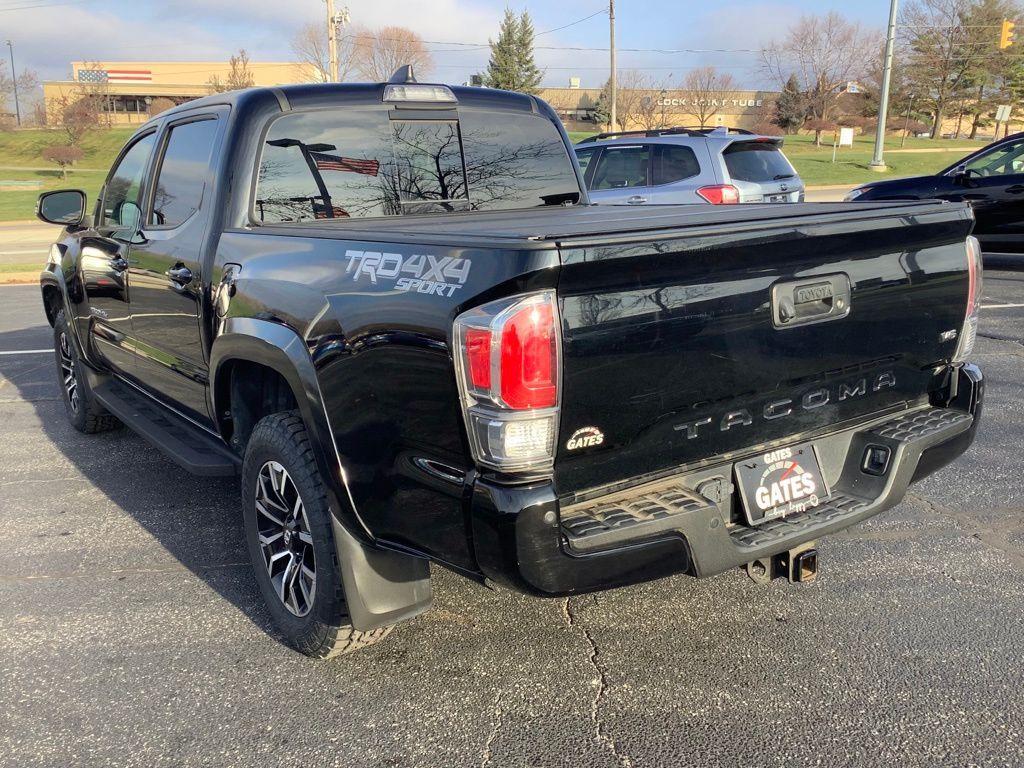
(993, 537)
(499, 716)
(1000, 337)
(600, 730)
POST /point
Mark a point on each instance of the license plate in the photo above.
(782, 482)
(778, 198)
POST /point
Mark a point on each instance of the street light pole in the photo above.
(14, 80)
(906, 123)
(612, 81)
(877, 162)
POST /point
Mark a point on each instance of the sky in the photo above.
(48, 34)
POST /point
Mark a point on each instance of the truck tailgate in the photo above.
(675, 352)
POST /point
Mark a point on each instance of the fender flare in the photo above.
(381, 586)
(53, 278)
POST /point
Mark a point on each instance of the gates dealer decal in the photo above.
(786, 487)
(585, 437)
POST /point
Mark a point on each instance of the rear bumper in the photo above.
(526, 541)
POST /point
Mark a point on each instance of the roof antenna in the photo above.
(403, 74)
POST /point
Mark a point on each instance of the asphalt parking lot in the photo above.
(132, 634)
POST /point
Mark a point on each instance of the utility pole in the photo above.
(332, 41)
(906, 123)
(334, 20)
(14, 81)
(877, 162)
(612, 82)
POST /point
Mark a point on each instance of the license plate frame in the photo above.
(780, 198)
(783, 479)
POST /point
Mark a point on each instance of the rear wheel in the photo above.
(288, 531)
(83, 410)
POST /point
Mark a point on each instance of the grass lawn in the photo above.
(815, 166)
(25, 148)
(17, 205)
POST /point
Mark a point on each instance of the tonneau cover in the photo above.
(556, 224)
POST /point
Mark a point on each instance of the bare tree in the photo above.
(239, 76)
(75, 113)
(951, 53)
(310, 48)
(63, 156)
(379, 53)
(708, 89)
(636, 100)
(825, 53)
(26, 83)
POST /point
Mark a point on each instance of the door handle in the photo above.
(118, 264)
(180, 274)
(1016, 189)
(637, 200)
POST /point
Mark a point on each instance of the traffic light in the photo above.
(1006, 34)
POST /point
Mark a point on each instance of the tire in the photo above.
(83, 410)
(278, 472)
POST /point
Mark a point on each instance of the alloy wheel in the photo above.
(285, 538)
(68, 372)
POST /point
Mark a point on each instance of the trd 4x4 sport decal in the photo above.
(422, 273)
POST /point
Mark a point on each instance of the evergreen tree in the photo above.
(511, 66)
(529, 74)
(791, 107)
(603, 105)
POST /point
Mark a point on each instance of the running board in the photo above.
(191, 447)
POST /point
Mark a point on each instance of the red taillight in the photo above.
(478, 357)
(508, 371)
(529, 359)
(720, 194)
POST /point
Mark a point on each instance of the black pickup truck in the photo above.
(391, 309)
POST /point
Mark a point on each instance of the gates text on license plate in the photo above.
(782, 482)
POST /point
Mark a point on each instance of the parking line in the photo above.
(28, 352)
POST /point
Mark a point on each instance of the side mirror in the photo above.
(65, 207)
(961, 176)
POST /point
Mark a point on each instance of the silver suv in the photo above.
(720, 166)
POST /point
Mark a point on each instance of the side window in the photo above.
(1004, 161)
(584, 156)
(183, 170)
(621, 167)
(122, 195)
(673, 163)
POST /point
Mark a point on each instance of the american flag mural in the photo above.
(325, 162)
(115, 75)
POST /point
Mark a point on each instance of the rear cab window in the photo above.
(361, 162)
(756, 161)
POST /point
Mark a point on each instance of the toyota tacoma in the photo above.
(392, 311)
